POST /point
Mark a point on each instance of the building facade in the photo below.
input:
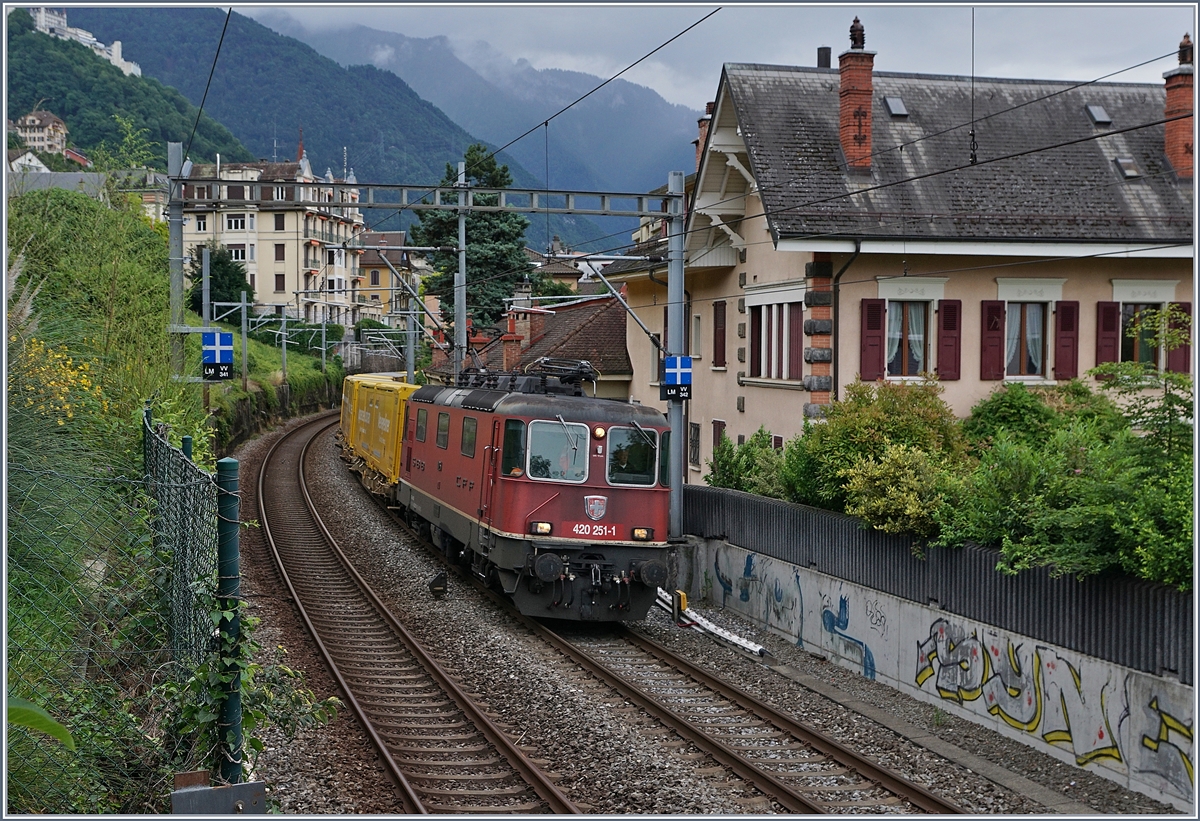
(298, 235)
(43, 131)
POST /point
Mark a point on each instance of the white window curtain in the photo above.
(916, 334)
(1035, 323)
(1012, 337)
(895, 323)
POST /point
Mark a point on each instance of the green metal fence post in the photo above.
(187, 448)
(228, 595)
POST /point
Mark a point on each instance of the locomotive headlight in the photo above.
(540, 528)
(598, 432)
(643, 534)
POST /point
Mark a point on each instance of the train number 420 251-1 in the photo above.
(585, 529)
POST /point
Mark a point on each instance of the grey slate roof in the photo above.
(789, 120)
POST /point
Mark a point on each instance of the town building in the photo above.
(849, 223)
(379, 288)
(43, 132)
(25, 161)
(300, 242)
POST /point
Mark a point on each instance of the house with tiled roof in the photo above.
(587, 328)
(22, 160)
(850, 223)
(43, 131)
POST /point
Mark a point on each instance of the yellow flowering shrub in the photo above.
(49, 380)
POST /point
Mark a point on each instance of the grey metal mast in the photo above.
(675, 227)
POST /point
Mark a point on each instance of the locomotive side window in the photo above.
(558, 451)
(664, 462)
(631, 456)
(470, 424)
(422, 423)
(513, 463)
(443, 432)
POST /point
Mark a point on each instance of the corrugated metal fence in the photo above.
(1136, 624)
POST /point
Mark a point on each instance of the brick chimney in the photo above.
(854, 113)
(1179, 101)
(440, 360)
(510, 344)
(537, 325)
(703, 123)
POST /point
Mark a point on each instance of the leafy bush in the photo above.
(904, 491)
(366, 324)
(754, 466)
(862, 426)
(1013, 408)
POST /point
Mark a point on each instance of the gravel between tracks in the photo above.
(606, 761)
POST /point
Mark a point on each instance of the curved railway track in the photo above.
(797, 766)
(443, 752)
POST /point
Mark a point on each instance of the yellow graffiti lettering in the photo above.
(1168, 724)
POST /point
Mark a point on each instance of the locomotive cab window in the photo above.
(443, 431)
(513, 463)
(469, 427)
(422, 423)
(558, 451)
(631, 456)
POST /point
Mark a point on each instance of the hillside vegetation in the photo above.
(85, 91)
(266, 87)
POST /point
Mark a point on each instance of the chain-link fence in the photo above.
(104, 619)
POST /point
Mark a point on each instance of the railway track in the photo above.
(443, 752)
(798, 767)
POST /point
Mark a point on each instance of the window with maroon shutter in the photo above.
(1179, 360)
(756, 341)
(871, 339)
(991, 344)
(236, 192)
(795, 341)
(949, 344)
(718, 334)
(279, 251)
(718, 432)
(1108, 332)
(1066, 339)
(279, 222)
(768, 361)
(777, 442)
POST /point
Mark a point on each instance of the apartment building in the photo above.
(299, 235)
(43, 131)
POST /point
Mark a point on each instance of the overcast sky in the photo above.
(1062, 42)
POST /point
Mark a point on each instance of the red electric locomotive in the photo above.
(560, 499)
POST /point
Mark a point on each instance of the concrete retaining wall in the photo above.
(1131, 727)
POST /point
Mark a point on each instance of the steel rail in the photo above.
(533, 776)
(412, 803)
(898, 785)
(762, 780)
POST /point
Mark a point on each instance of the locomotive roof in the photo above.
(574, 408)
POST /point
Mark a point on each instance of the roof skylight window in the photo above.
(1128, 168)
(895, 106)
(1099, 115)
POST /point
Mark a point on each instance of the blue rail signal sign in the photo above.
(216, 355)
(677, 378)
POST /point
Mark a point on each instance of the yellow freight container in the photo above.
(384, 427)
(355, 415)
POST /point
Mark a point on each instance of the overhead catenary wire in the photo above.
(211, 70)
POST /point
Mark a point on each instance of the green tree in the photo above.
(1157, 403)
(496, 259)
(226, 276)
(133, 151)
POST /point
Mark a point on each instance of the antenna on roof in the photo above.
(974, 145)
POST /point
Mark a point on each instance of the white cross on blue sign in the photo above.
(678, 370)
(216, 355)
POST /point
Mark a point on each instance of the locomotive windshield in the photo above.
(558, 450)
(631, 456)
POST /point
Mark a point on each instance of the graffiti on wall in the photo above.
(1038, 691)
(847, 646)
(780, 598)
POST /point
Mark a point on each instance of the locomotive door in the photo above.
(488, 479)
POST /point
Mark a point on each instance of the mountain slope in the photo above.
(85, 91)
(624, 137)
(266, 87)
